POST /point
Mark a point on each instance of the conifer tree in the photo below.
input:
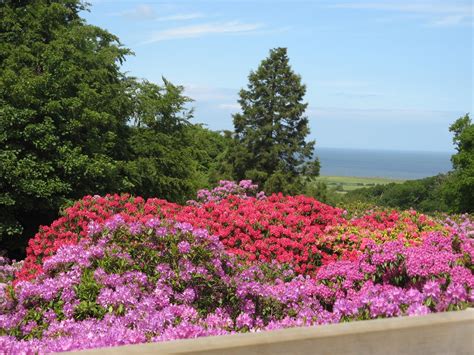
(270, 132)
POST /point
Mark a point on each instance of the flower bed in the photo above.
(120, 270)
(289, 229)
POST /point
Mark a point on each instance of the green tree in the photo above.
(63, 111)
(269, 141)
(209, 149)
(460, 188)
(161, 162)
(161, 108)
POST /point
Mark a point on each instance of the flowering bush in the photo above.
(300, 230)
(289, 229)
(72, 226)
(243, 189)
(8, 269)
(152, 279)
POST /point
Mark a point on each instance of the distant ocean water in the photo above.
(382, 163)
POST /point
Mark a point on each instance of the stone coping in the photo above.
(440, 333)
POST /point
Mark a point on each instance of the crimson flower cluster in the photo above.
(296, 230)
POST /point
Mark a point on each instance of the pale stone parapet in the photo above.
(441, 333)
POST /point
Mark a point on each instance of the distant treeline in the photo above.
(427, 195)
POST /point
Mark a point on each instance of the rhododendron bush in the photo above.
(121, 270)
(289, 229)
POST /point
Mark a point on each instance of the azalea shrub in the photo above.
(8, 269)
(301, 230)
(243, 189)
(289, 229)
(156, 280)
(120, 270)
(72, 226)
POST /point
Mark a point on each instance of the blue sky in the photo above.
(379, 75)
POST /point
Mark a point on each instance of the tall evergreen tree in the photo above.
(269, 142)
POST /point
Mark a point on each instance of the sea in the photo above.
(405, 165)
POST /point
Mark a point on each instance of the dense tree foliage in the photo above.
(170, 157)
(209, 150)
(63, 110)
(460, 190)
(269, 142)
(424, 194)
(160, 161)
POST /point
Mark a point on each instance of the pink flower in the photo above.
(184, 247)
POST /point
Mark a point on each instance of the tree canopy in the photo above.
(460, 190)
(161, 163)
(63, 110)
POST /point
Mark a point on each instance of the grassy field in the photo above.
(344, 184)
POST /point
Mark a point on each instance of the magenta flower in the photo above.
(418, 310)
(93, 228)
(114, 222)
(184, 247)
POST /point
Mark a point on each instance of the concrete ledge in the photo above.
(441, 333)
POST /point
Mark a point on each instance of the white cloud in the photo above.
(355, 94)
(210, 94)
(435, 13)
(411, 6)
(341, 83)
(181, 17)
(148, 12)
(229, 107)
(141, 12)
(453, 20)
(384, 114)
(205, 29)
